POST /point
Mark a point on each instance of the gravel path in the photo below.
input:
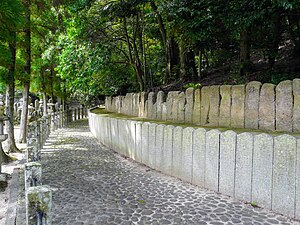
(93, 185)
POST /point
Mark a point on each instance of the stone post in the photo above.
(73, 115)
(52, 121)
(39, 205)
(48, 124)
(3, 136)
(33, 175)
(61, 118)
(32, 154)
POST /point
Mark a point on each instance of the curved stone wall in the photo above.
(254, 106)
(253, 167)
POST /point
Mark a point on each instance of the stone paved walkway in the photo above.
(93, 185)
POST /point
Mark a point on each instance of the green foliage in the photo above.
(192, 85)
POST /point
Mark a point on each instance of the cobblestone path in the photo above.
(93, 185)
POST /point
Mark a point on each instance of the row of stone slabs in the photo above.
(257, 168)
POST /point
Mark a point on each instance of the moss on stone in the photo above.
(104, 112)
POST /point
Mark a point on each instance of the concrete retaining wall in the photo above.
(254, 106)
(252, 167)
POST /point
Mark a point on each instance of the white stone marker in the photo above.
(284, 182)
(177, 148)
(167, 151)
(145, 143)
(151, 146)
(159, 144)
(227, 162)
(199, 141)
(262, 170)
(243, 174)
(212, 160)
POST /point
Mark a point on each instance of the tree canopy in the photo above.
(91, 48)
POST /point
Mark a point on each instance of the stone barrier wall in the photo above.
(253, 167)
(38, 197)
(254, 106)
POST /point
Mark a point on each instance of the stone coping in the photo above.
(103, 112)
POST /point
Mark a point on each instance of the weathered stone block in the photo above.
(189, 106)
(237, 117)
(151, 145)
(243, 174)
(284, 106)
(297, 205)
(177, 148)
(214, 102)
(181, 103)
(136, 102)
(119, 103)
(284, 182)
(138, 141)
(262, 170)
(205, 99)
(159, 145)
(131, 141)
(145, 143)
(142, 108)
(169, 106)
(33, 174)
(146, 113)
(39, 205)
(197, 106)
(252, 104)
(122, 137)
(151, 108)
(161, 97)
(167, 151)
(199, 141)
(164, 112)
(225, 106)
(108, 127)
(108, 105)
(187, 155)
(114, 134)
(296, 109)
(227, 162)
(174, 109)
(212, 160)
(266, 112)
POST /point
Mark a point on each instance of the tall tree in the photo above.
(10, 23)
(27, 70)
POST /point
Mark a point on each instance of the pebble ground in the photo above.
(92, 185)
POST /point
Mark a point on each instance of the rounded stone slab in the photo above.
(284, 106)
(3, 137)
(93, 185)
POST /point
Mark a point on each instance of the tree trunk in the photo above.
(188, 66)
(171, 48)
(45, 110)
(275, 40)
(10, 90)
(134, 61)
(24, 116)
(10, 95)
(173, 59)
(26, 87)
(200, 64)
(245, 63)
